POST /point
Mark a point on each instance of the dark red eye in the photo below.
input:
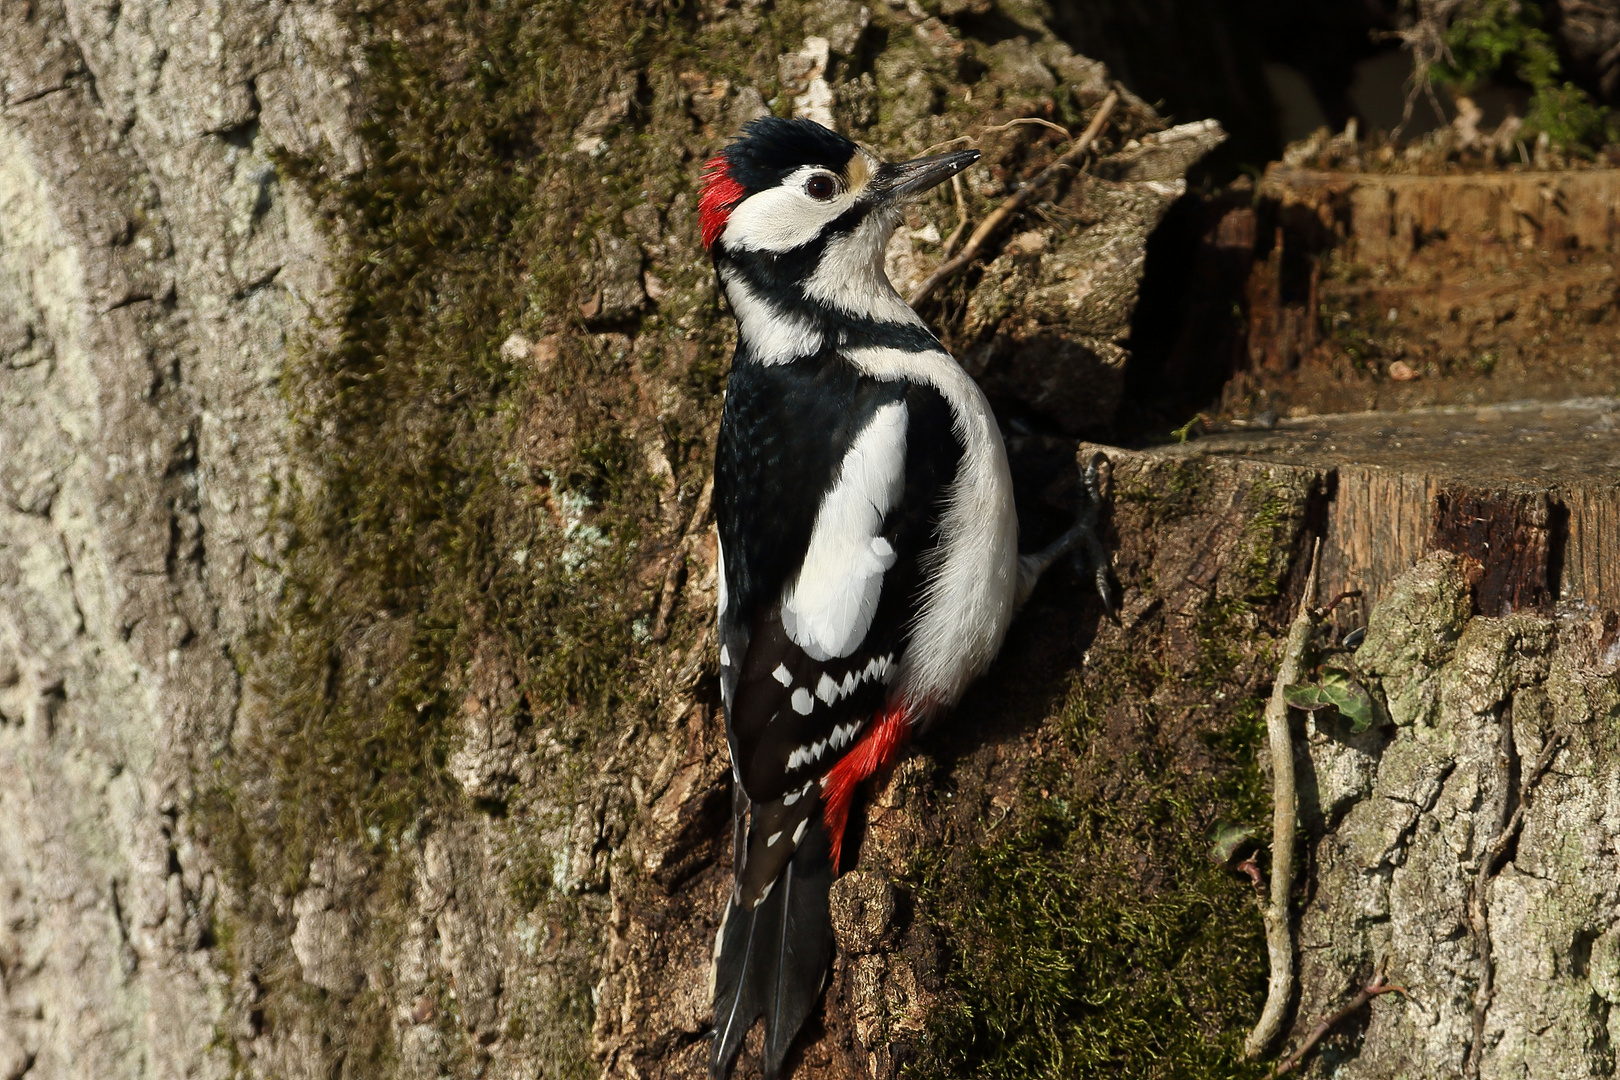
(820, 187)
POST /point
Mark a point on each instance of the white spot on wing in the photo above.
(770, 841)
(826, 689)
(782, 675)
(828, 607)
(798, 834)
(844, 734)
(803, 702)
(720, 569)
(725, 657)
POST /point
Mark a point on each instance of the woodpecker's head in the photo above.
(797, 218)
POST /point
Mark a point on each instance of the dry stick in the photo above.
(1284, 801)
(1375, 986)
(1020, 198)
(961, 217)
(1479, 913)
(1020, 122)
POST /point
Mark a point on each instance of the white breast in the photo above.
(967, 602)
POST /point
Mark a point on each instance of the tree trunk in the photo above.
(357, 704)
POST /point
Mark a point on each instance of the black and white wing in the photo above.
(824, 568)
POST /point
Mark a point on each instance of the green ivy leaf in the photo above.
(1349, 697)
(1339, 691)
(1307, 697)
(1227, 840)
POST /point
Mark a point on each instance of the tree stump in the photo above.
(1047, 846)
(1528, 494)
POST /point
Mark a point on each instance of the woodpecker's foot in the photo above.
(1081, 542)
(1090, 554)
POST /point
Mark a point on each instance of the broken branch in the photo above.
(1375, 986)
(1018, 201)
(1284, 800)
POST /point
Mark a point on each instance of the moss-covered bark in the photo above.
(474, 813)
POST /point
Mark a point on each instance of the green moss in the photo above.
(428, 463)
(1264, 544)
(456, 507)
(1092, 935)
(1488, 36)
(1170, 491)
(1570, 117)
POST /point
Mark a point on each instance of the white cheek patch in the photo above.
(783, 217)
(828, 608)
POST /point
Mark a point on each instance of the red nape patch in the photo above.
(880, 744)
(720, 194)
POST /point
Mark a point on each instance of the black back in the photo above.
(783, 437)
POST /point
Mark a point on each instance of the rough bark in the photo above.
(153, 260)
(360, 373)
(308, 766)
(1374, 289)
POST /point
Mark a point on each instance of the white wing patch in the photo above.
(828, 607)
(967, 601)
(720, 568)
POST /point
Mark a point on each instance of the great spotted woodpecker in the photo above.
(868, 544)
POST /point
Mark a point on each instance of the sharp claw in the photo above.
(1094, 556)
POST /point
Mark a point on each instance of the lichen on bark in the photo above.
(443, 785)
(478, 765)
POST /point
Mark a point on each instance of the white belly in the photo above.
(967, 602)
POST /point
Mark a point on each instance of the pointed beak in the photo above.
(909, 179)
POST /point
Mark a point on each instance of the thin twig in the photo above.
(1375, 986)
(1022, 120)
(1070, 159)
(961, 218)
(1426, 40)
(1327, 608)
(1284, 802)
(1479, 913)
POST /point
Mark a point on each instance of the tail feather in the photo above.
(773, 959)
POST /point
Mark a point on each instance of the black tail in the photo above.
(773, 958)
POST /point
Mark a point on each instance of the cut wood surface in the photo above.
(1529, 492)
(1391, 215)
(1377, 291)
